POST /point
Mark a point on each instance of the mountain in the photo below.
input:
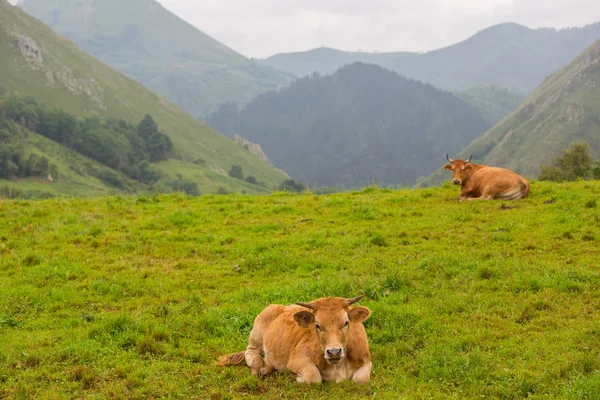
(360, 125)
(493, 102)
(562, 110)
(325, 60)
(507, 55)
(39, 63)
(148, 43)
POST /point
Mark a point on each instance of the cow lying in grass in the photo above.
(481, 182)
(324, 340)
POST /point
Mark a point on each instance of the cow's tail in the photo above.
(525, 187)
(232, 359)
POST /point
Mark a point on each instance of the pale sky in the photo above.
(260, 28)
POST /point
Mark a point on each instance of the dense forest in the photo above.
(125, 148)
(363, 124)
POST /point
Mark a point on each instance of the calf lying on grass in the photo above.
(481, 182)
(324, 340)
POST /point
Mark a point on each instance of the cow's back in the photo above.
(499, 183)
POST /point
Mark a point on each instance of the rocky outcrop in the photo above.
(29, 49)
(253, 148)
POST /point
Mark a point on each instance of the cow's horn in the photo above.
(469, 160)
(354, 300)
(448, 158)
(307, 305)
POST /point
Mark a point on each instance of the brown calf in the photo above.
(324, 340)
(481, 182)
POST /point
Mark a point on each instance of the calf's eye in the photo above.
(318, 327)
(346, 324)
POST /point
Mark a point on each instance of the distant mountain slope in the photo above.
(325, 60)
(360, 125)
(505, 55)
(493, 102)
(562, 110)
(155, 47)
(35, 61)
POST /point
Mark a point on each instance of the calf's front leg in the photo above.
(363, 374)
(306, 371)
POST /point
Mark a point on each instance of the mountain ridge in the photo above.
(201, 72)
(506, 54)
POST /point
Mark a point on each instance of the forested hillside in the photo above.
(363, 124)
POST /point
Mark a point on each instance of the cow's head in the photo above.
(460, 169)
(332, 318)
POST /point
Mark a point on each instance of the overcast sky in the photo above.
(259, 28)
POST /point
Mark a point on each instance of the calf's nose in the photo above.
(334, 352)
(456, 181)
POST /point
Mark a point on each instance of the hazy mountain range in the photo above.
(505, 55)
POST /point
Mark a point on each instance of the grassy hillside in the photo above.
(77, 175)
(155, 47)
(67, 78)
(137, 297)
(363, 124)
(562, 110)
(508, 55)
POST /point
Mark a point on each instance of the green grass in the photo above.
(83, 86)
(136, 297)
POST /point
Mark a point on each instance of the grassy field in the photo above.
(137, 297)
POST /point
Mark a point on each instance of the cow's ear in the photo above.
(468, 166)
(447, 167)
(359, 314)
(304, 318)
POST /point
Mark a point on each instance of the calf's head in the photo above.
(460, 169)
(332, 318)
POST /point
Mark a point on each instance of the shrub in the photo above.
(251, 179)
(575, 162)
(291, 185)
(236, 172)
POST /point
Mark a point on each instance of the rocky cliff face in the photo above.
(253, 148)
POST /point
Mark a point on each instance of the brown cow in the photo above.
(324, 340)
(481, 182)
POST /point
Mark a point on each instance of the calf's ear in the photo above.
(448, 167)
(304, 318)
(359, 314)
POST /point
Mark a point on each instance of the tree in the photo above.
(291, 185)
(251, 179)
(147, 127)
(159, 145)
(236, 172)
(575, 162)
